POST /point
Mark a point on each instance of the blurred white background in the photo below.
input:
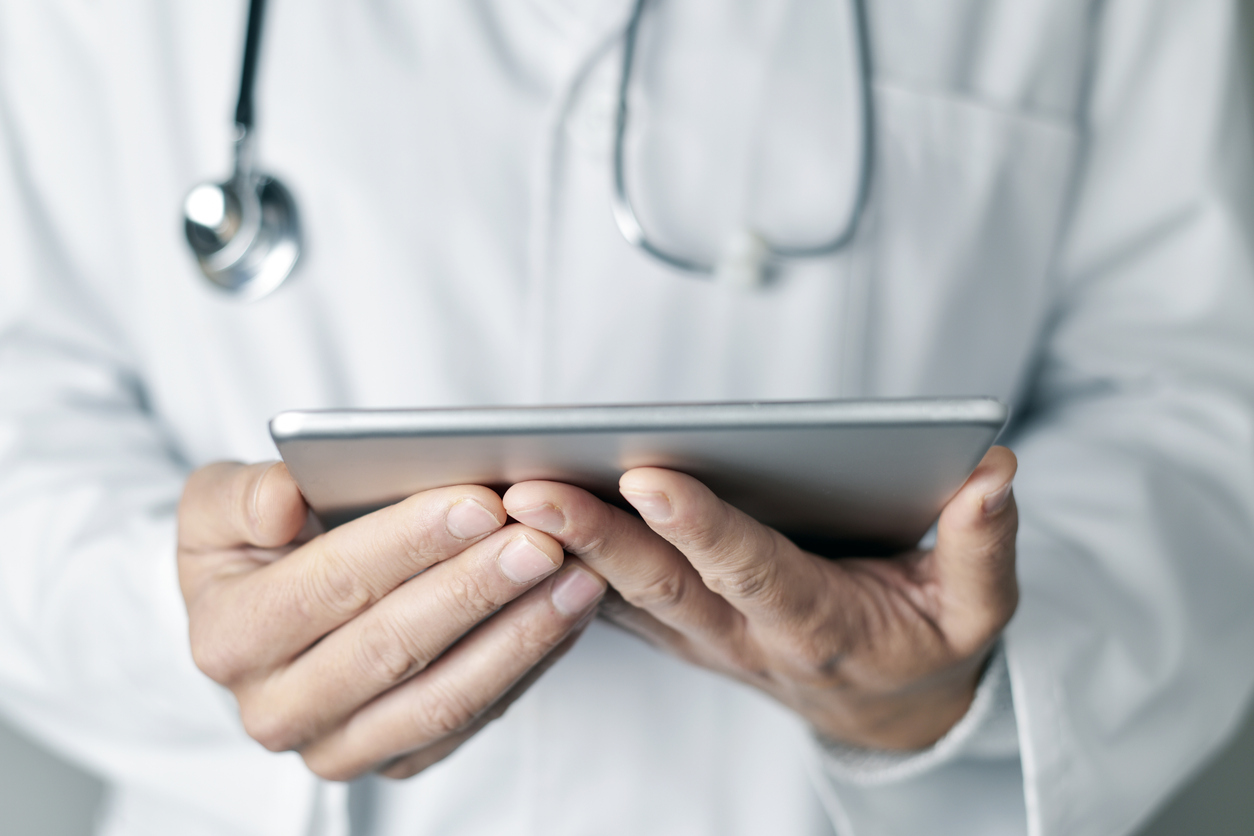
(41, 795)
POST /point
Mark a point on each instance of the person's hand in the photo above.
(878, 653)
(384, 643)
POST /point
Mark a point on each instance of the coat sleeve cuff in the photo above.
(970, 783)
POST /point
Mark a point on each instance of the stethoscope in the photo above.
(246, 236)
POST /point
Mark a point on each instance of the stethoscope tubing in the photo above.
(244, 112)
(238, 266)
(624, 212)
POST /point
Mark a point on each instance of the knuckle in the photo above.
(215, 658)
(384, 655)
(446, 717)
(332, 586)
(417, 524)
(275, 730)
(445, 712)
(532, 639)
(328, 766)
(999, 548)
(700, 536)
(595, 531)
(751, 580)
(721, 533)
(413, 541)
(664, 591)
(593, 542)
(468, 596)
(811, 654)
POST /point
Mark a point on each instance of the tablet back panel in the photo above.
(861, 471)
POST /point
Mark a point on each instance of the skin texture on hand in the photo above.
(385, 643)
(878, 653)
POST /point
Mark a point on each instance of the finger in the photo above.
(974, 556)
(396, 638)
(642, 624)
(458, 689)
(646, 570)
(264, 618)
(406, 766)
(228, 504)
(755, 568)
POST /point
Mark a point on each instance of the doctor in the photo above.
(1058, 217)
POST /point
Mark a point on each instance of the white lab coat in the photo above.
(1059, 217)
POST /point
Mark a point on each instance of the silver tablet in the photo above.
(864, 472)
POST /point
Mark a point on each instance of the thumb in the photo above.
(227, 504)
(974, 556)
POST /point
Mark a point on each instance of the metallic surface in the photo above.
(861, 471)
(257, 244)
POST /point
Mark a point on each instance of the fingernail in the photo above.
(547, 518)
(254, 511)
(995, 501)
(468, 519)
(575, 591)
(655, 507)
(522, 561)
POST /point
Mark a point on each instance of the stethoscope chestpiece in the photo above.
(244, 232)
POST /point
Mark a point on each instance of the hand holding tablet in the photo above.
(880, 653)
(334, 645)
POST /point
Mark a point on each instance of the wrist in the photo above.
(903, 720)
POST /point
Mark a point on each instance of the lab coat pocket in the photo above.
(968, 205)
